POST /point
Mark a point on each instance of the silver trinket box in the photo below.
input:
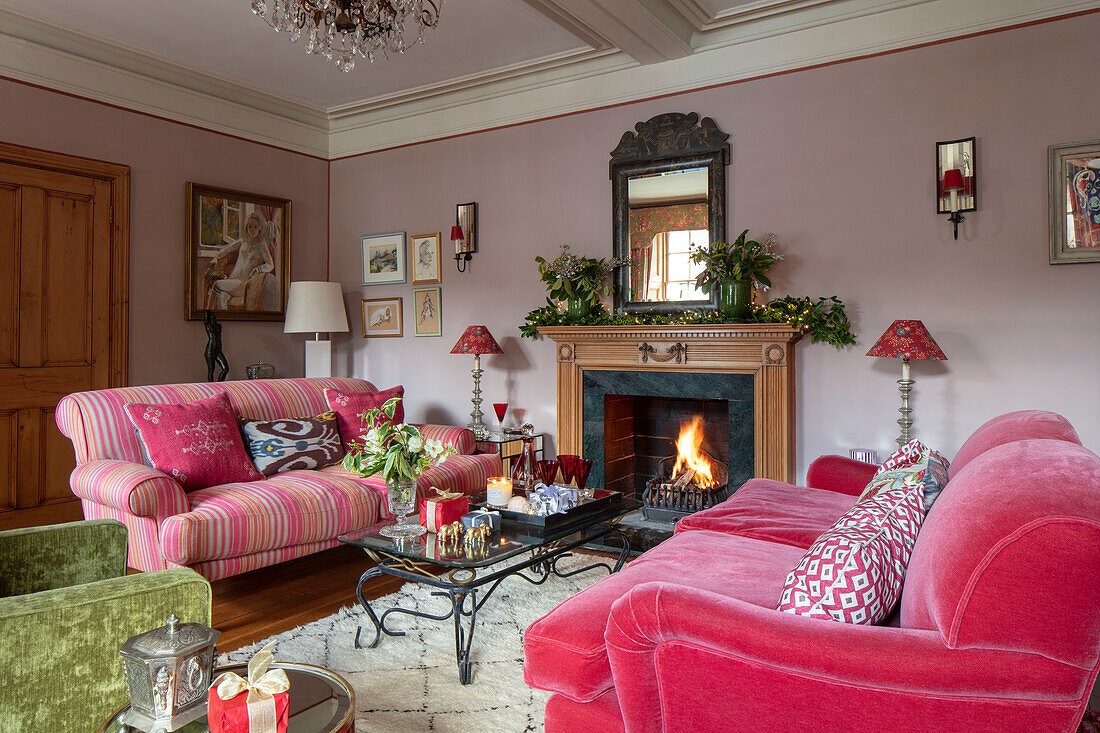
(168, 671)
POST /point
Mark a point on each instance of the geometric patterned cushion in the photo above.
(853, 572)
(197, 443)
(298, 443)
(350, 406)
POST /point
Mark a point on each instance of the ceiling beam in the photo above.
(649, 31)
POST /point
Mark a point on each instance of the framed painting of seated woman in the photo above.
(238, 254)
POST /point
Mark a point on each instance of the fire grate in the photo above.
(673, 494)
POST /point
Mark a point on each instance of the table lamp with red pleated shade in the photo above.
(477, 340)
(906, 340)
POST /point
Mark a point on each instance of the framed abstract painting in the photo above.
(238, 254)
(382, 318)
(383, 257)
(1074, 172)
(428, 312)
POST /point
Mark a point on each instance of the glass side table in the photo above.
(321, 701)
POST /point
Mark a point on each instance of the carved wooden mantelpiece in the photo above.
(763, 350)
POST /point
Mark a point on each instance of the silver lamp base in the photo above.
(134, 719)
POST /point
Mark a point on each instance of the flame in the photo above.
(689, 453)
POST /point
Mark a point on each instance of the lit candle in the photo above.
(498, 491)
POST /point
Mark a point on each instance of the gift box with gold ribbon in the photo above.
(259, 704)
(440, 510)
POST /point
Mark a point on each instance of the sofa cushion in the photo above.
(774, 511)
(293, 443)
(564, 650)
(1012, 426)
(292, 508)
(854, 571)
(350, 406)
(197, 443)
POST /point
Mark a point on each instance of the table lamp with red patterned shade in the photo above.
(477, 340)
(906, 340)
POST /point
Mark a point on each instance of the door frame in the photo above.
(118, 177)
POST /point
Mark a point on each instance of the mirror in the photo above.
(668, 195)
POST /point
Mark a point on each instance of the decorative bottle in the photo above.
(523, 471)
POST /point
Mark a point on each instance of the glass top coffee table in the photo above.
(320, 702)
(456, 571)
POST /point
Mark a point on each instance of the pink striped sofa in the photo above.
(233, 528)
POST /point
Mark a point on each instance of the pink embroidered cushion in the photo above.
(197, 443)
(349, 406)
(853, 573)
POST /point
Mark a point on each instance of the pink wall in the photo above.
(838, 163)
(163, 156)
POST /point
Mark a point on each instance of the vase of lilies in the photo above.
(400, 453)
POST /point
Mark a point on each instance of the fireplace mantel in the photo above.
(764, 350)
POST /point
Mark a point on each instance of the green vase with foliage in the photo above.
(732, 268)
(581, 282)
(735, 299)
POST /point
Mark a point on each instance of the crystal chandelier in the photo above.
(341, 29)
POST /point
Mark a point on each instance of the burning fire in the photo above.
(689, 454)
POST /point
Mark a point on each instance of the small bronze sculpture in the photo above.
(451, 533)
(213, 351)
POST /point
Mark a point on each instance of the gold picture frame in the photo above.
(426, 256)
(382, 318)
(221, 222)
(428, 312)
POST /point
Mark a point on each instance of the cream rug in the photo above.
(410, 683)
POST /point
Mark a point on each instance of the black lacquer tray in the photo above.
(601, 500)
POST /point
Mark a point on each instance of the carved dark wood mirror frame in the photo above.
(668, 142)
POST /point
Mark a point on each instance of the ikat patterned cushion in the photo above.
(197, 443)
(293, 443)
(853, 573)
(349, 406)
(933, 464)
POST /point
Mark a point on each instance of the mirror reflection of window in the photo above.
(672, 273)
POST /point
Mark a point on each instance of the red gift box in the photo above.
(442, 510)
(231, 716)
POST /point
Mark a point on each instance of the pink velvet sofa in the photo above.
(998, 627)
(233, 528)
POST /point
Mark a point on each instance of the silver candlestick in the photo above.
(905, 385)
(476, 423)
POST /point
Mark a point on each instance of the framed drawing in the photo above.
(428, 312)
(425, 252)
(383, 258)
(382, 318)
(237, 254)
(1074, 202)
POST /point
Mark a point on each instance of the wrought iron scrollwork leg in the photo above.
(373, 572)
(464, 637)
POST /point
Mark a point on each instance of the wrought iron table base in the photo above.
(543, 562)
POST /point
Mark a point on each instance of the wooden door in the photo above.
(56, 272)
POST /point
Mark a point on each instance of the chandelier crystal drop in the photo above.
(340, 30)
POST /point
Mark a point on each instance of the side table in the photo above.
(509, 446)
(321, 701)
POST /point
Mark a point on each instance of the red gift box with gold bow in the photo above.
(259, 704)
(443, 509)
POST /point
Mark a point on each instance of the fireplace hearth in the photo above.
(687, 482)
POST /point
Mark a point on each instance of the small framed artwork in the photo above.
(383, 258)
(428, 312)
(237, 254)
(425, 252)
(382, 318)
(1074, 202)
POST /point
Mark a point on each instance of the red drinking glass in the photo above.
(501, 409)
(547, 469)
(568, 463)
(580, 473)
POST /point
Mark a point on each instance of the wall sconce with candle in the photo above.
(464, 234)
(956, 179)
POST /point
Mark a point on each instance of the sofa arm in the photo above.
(57, 556)
(840, 474)
(62, 669)
(461, 439)
(676, 651)
(133, 488)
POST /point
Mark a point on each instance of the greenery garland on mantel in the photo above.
(584, 280)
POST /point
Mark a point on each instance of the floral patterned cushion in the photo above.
(350, 406)
(294, 443)
(197, 443)
(932, 464)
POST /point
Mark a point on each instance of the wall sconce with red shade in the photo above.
(956, 179)
(464, 234)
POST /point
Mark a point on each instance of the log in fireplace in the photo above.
(689, 481)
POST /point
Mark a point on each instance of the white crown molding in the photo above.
(748, 41)
(496, 104)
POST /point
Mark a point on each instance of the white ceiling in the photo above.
(489, 62)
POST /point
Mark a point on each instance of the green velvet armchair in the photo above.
(66, 605)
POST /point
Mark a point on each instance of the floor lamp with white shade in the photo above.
(316, 307)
